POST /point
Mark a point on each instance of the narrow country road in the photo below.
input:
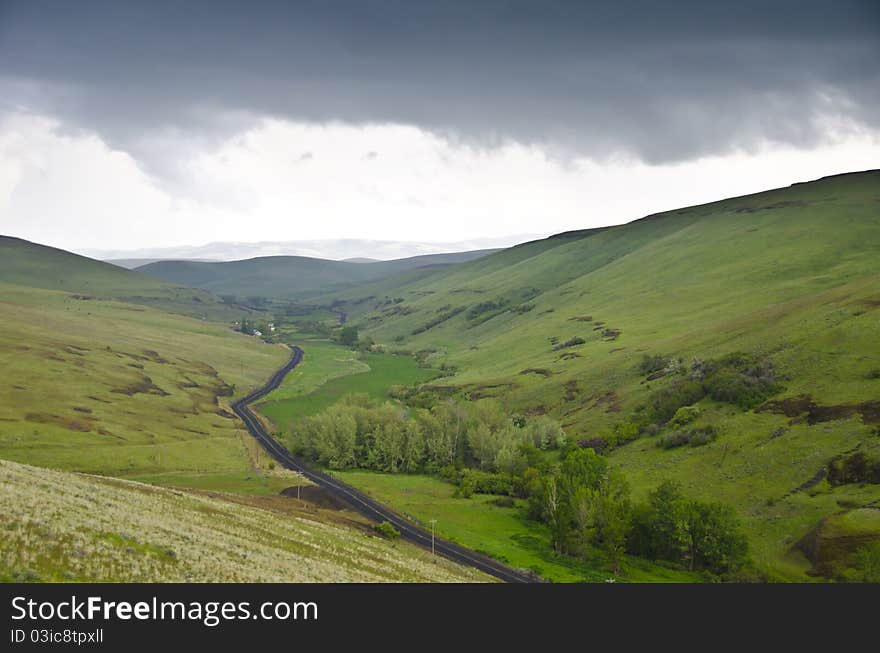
(358, 500)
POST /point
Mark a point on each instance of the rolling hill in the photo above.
(291, 276)
(28, 264)
(598, 328)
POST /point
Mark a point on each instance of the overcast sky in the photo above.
(127, 125)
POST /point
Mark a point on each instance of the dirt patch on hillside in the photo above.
(82, 425)
(143, 385)
(829, 550)
(487, 390)
(804, 407)
(609, 400)
(154, 356)
(770, 207)
(537, 370)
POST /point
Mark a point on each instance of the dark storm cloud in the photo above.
(662, 80)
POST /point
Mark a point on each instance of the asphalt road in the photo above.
(358, 500)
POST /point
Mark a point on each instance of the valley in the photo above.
(542, 405)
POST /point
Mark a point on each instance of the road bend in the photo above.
(359, 501)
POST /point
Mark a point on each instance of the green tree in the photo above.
(555, 512)
(348, 336)
(613, 517)
(712, 537)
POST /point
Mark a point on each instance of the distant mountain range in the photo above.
(294, 276)
(336, 249)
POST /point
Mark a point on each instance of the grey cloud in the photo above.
(663, 81)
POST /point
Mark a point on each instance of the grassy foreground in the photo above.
(61, 526)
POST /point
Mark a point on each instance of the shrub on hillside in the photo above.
(664, 403)
(685, 415)
(693, 438)
(387, 530)
(741, 379)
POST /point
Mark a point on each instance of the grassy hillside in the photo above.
(291, 276)
(29, 264)
(104, 386)
(59, 527)
(790, 277)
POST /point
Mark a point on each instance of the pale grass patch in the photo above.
(59, 526)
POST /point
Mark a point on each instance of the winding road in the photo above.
(358, 500)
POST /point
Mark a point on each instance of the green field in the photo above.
(300, 396)
(499, 532)
(790, 275)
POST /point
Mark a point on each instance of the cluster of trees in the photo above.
(586, 504)
(572, 489)
(361, 432)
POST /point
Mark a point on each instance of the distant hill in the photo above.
(334, 249)
(292, 276)
(132, 263)
(30, 264)
(600, 329)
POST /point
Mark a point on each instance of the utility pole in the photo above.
(433, 522)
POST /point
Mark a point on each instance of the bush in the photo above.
(348, 336)
(387, 530)
(651, 363)
(664, 403)
(740, 379)
(693, 438)
(475, 481)
(685, 415)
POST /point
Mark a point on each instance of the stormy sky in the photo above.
(127, 124)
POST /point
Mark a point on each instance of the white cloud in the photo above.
(289, 181)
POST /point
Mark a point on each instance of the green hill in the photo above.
(291, 276)
(37, 266)
(601, 328)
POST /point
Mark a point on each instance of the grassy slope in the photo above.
(103, 386)
(59, 526)
(29, 264)
(791, 273)
(289, 276)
